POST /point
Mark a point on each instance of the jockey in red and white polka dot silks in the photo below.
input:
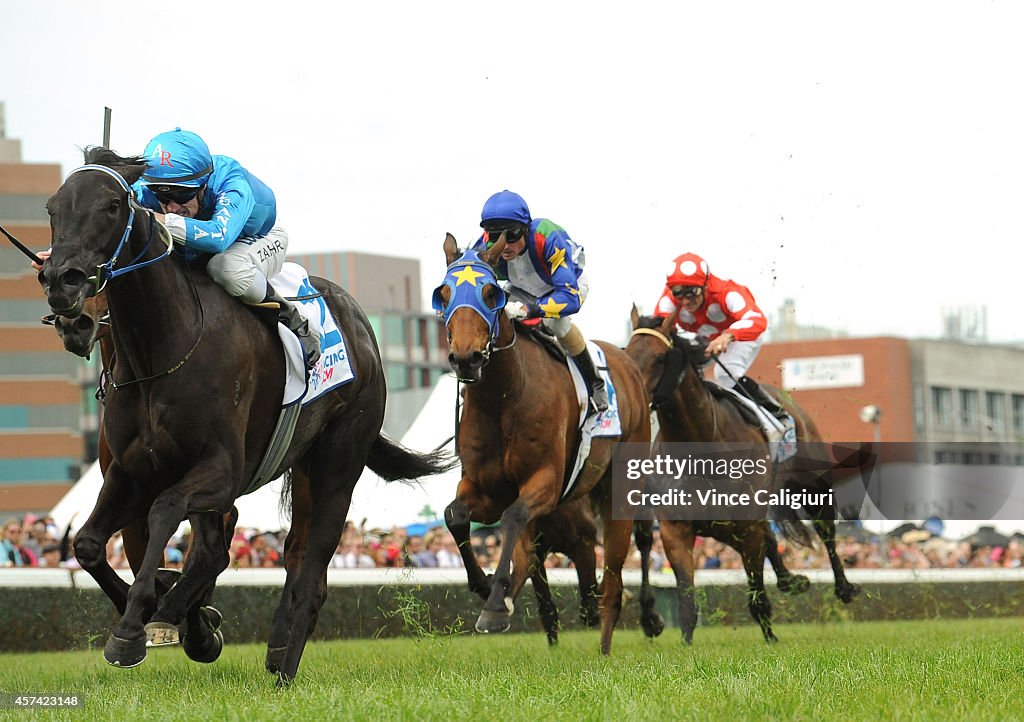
(720, 312)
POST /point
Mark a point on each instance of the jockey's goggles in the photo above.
(174, 194)
(687, 291)
(512, 233)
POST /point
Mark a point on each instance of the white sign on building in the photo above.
(823, 372)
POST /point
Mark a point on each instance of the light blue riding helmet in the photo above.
(177, 158)
(505, 206)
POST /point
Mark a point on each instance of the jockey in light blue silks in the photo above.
(543, 269)
(214, 206)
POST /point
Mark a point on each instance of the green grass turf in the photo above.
(929, 670)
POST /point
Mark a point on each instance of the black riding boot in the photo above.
(761, 397)
(289, 315)
(598, 393)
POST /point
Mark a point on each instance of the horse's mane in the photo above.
(692, 348)
(131, 167)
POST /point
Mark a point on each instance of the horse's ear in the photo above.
(634, 317)
(492, 254)
(451, 249)
(668, 325)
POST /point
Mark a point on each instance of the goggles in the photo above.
(687, 291)
(174, 194)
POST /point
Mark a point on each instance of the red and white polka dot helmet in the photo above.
(688, 269)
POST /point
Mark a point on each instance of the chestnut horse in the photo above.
(690, 413)
(518, 438)
(199, 393)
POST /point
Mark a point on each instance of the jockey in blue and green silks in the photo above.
(543, 270)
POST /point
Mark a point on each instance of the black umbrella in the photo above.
(901, 530)
(853, 529)
(987, 536)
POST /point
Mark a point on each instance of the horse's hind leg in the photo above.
(617, 534)
(294, 554)
(651, 622)
(845, 589)
(585, 561)
(752, 548)
(335, 468)
(677, 536)
(545, 601)
(787, 582)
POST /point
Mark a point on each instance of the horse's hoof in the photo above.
(125, 653)
(165, 579)
(493, 622)
(848, 592)
(553, 640)
(275, 659)
(161, 634)
(205, 646)
(770, 637)
(211, 617)
(653, 624)
(794, 584)
(205, 649)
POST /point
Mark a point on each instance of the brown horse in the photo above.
(518, 438)
(688, 412)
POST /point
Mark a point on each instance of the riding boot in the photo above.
(598, 393)
(289, 315)
(761, 397)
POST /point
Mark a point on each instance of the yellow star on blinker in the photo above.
(552, 309)
(467, 275)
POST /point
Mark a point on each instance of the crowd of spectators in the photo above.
(37, 542)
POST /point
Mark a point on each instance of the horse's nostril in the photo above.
(476, 359)
(83, 324)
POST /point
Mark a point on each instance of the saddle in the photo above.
(539, 333)
(723, 394)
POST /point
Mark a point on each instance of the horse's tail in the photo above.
(393, 462)
(792, 527)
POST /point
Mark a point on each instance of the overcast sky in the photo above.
(865, 159)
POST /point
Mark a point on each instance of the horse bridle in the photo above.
(662, 382)
(106, 272)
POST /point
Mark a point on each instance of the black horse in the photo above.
(196, 394)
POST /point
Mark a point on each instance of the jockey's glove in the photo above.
(517, 310)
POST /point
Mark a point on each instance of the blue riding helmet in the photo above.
(177, 157)
(505, 206)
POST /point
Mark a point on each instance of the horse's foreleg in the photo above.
(120, 502)
(457, 518)
(651, 622)
(536, 498)
(202, 488)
